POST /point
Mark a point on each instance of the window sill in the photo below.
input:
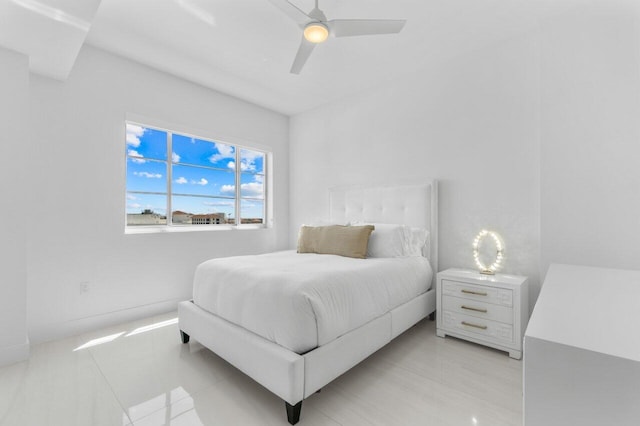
(171, 229)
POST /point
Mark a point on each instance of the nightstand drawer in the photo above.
(495, 295)
(466, 324)
(478, 309)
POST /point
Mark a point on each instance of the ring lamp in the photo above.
(497, 263)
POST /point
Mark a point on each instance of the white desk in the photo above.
(582, 349)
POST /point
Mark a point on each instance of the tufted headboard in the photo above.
(413, 205)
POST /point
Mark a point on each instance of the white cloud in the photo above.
(219, 203)
(245, 165)
(175, 157)
(182, 180)
(202, 182)
(134, 133)
(224, 151)
(250, 155)
(248, 160)
(131, 197)
(228, 190)
(138, 157)
(148, 175)
(253, 189)
(134, 206)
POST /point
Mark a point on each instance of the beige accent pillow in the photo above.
(348, 241)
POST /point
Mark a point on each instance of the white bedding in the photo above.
(301, 301)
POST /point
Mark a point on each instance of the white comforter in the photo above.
(302, 301)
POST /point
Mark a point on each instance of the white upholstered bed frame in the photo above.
(294, 377)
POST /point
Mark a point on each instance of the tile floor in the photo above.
(140, 374)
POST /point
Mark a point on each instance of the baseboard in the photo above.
(15, 353)
(78, 326)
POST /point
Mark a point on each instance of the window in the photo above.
(181, 180)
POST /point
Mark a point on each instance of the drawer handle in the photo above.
(477, 293)
(469, 308)
(482, 327)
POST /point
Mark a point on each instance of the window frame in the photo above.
(169, 163)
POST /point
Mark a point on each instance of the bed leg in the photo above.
(432, 316)
(184, 337)
(293, 412)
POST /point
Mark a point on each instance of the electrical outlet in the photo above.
(84, 287)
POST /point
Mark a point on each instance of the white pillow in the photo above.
(393, 240)
(386, 240)
(418, 242)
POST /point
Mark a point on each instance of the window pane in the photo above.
(201, 181)
(146, 175)
(199, 152)
(202, 184)
(252, 186)
(251, 161)
(252, 211)
(146, 209)
(144, 142)
(202, 210)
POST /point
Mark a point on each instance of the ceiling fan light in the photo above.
(316, 32)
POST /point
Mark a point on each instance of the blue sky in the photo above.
(146, 146)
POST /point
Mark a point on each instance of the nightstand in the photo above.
(490, 310)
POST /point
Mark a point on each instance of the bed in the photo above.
(332, 336)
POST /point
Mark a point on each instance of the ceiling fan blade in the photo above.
(306, 47)
(357, 27)
(291, 10)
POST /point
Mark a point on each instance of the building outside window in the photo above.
(175, 179)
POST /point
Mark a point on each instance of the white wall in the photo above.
(590, 127)
(77, 169)
(538, 129)
(536, 137)
(14, 138)
(472, 123)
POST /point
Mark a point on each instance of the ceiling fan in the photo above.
(316, 28)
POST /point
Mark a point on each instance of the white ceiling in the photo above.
(245, 47)
(50, 32)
